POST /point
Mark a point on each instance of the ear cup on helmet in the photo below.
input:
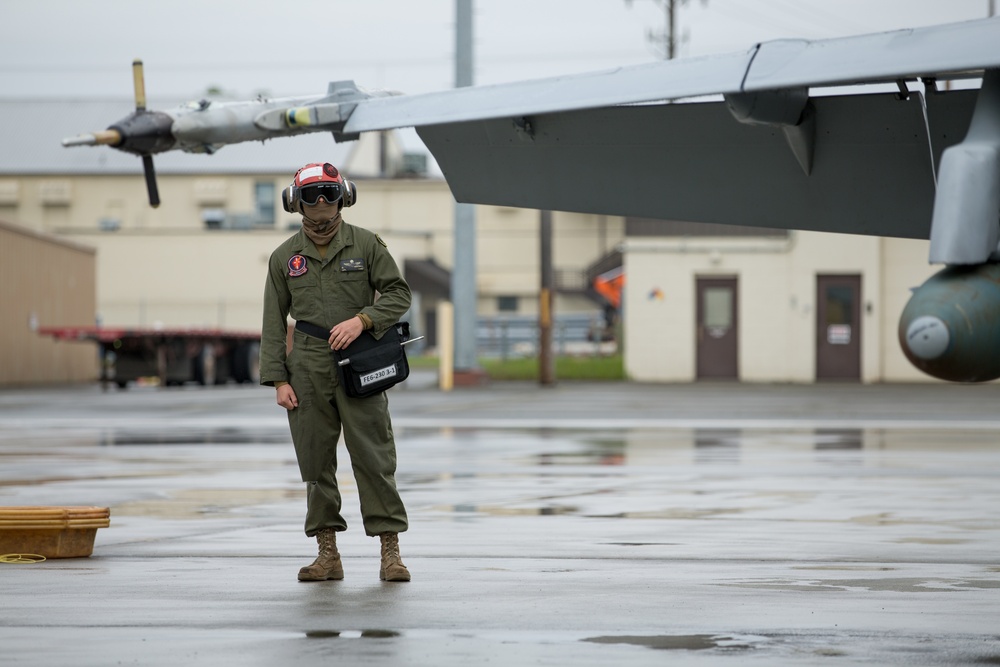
(350, 193)
(289, 199)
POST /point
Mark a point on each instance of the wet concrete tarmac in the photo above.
(584, 524)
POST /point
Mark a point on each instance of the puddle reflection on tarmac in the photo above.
(219, 436)
(451, 463)
(593, 447)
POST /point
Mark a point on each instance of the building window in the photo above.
(507, 304)
(264, 203)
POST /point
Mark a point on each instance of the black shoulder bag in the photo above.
(368, 366)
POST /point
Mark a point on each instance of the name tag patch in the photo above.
(352, 265)
(380, 374)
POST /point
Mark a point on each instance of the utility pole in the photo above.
(546, 360)
(463, 275)
(667, 39)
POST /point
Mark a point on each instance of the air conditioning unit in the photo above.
(413, 164)
(55, 193)
(10, 193)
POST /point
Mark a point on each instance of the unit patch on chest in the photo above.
(297, 266)
(352, 265)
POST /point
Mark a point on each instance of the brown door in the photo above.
(838, 328)
(717, 329)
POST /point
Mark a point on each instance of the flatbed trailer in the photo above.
(174, 356)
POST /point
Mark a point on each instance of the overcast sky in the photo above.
(72, 48)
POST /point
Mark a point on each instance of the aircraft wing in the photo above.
(768, 154)
(878, 58)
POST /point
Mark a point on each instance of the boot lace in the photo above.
(390, 547)
(327, 544)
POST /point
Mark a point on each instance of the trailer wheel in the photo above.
(246, 364)
(253, 363)
(223, 369)
(204, 366)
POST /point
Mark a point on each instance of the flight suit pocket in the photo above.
(355, 288)
(301, 282)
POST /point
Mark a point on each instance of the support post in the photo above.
(445, 345)
(546, 361)
(463, 276)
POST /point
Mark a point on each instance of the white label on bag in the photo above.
(380, 374)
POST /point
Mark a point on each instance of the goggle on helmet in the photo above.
(315, 180)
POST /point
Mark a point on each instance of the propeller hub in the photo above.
(145, 132)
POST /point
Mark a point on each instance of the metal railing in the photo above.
(508, 336)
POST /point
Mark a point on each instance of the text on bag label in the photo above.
(380, 374)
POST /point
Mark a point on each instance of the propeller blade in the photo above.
(139, 84)
(154, 193)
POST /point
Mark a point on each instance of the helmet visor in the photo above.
(331, 192)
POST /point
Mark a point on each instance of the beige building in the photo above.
(43, 279)
(791, 307)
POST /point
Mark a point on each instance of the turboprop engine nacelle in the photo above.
(950, 329)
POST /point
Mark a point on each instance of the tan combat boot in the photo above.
(327, 564)
(392, 564)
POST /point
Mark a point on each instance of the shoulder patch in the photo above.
(379, 238)
(297, 266)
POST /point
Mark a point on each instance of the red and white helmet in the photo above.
(315, 180)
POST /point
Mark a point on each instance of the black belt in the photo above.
(312, 329)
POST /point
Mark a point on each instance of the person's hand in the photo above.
(344, 333)
(287, 398)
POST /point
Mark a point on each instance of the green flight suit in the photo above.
(326, 291)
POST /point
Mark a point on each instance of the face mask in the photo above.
(321, 222)
(321, 211)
